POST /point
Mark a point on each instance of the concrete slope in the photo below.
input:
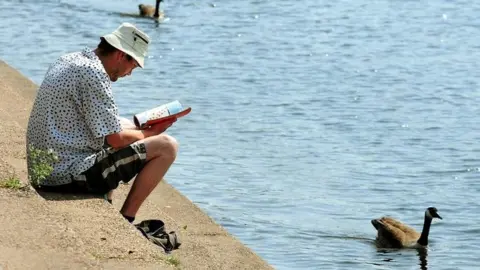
(59, 231)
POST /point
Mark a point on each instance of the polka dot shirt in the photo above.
(73, 112)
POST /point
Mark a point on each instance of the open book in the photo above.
(163, 113)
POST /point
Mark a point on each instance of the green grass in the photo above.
(173, 261)
(41, 164)
(12, 183)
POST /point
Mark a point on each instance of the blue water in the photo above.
(309, 118)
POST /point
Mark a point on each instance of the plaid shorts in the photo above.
(111, 166)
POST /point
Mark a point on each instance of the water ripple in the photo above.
(309, 118)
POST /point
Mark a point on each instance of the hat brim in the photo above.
(125, 47)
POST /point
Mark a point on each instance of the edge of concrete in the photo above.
(44, 231)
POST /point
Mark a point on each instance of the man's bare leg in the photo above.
(161, 153)
(110, 195)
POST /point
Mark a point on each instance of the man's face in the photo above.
(124, 67)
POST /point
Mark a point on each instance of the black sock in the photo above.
(130, 219)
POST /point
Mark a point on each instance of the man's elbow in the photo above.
(114, 140)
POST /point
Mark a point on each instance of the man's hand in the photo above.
(160, 127)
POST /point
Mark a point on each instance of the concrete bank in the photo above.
(52, 231)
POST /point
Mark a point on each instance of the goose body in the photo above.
(392, 233)
(151, 11)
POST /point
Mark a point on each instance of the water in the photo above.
(309, 118)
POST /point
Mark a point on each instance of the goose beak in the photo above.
(438, 216)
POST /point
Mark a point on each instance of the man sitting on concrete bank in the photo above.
(75, 115)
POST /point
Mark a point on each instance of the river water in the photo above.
(309, 118)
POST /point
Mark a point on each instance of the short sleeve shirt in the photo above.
(73, 112)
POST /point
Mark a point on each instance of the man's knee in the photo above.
(162, 145)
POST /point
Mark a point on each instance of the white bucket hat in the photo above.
(130, 40)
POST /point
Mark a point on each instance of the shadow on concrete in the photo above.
(58, 196)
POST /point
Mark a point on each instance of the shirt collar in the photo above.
(89, 54)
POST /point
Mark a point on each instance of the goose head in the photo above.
(431, 213)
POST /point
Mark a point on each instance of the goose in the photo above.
(150, 11)
(392, 233)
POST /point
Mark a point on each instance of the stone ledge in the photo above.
(55, 231)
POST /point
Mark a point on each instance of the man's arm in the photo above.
(126, 137)
(127, 124)
(129, 136)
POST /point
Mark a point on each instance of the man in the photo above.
(75, 115)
